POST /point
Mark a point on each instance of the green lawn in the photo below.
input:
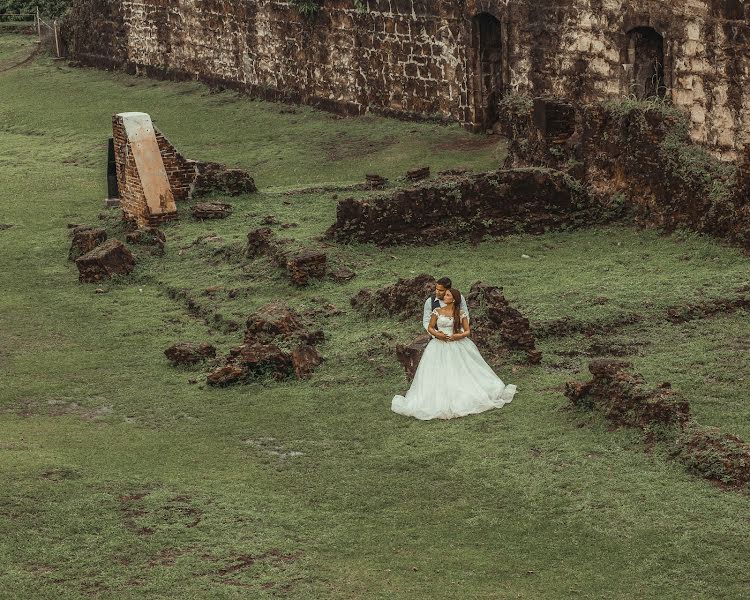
(13, 47)
(120, 480)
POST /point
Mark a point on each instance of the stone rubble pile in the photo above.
(277, 343)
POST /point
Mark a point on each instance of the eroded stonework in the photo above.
(443, 59)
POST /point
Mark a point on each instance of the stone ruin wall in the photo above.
(420, 58)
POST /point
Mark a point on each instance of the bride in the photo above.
(452, 379)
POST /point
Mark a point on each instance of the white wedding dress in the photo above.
(452, 380)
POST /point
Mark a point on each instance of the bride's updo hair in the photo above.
(457, 325)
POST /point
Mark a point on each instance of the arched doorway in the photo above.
(488, 48)
(646, 60)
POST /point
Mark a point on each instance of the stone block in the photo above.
(104, 261)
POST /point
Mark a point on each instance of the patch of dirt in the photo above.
(60, 474)
(166, 557)
(272, 447)
(199, 310)
(142, 517)
(244, 562)
(343, 146)
(704, 310)
(475, 142)
(569, 326)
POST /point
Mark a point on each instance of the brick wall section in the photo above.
(132, 198)
(418, 58)
(181, 171)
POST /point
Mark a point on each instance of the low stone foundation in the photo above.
(625, 400)
(497, 203)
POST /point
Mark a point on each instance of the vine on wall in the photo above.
(309, 8)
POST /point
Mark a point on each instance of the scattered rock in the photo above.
(262, 359)
(85, 239)
(304, 360)
(375, 182)
(189, 353)
(226, 375)
(418, 174)
(100, 291)
(410, 355)
(714, 455)
(104, 261)
(623, 398)
(270, 322)
(327, 310)
(215, 177)
(306, 265)
(277, 343)
(703, 310)
(152, 237)
(494, 322)
(404, 299)
(259, 242)
(342, 275)
(301, 266)
(211, 210)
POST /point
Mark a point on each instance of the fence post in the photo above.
(57, 40)
(38, 25)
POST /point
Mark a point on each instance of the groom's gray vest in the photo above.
(435, 302)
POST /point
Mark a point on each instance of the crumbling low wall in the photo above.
(664, 414)
(501, 202)
(152, 175)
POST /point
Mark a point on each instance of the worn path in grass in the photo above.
(121, 480)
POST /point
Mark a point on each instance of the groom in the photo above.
(436, 301)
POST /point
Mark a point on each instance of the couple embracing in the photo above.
(452, 379)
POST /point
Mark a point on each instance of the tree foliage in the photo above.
(47, 8)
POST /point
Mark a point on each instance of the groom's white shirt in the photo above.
(427, 312)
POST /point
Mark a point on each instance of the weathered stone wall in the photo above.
(447, 59)
(638, 156)
(502, 202)
(181, 172)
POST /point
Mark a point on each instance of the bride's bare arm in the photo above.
(466, 332)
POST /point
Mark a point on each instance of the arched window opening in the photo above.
(646, 61)
(489, 73)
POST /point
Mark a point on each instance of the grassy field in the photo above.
(14, 48)
(120, 480)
